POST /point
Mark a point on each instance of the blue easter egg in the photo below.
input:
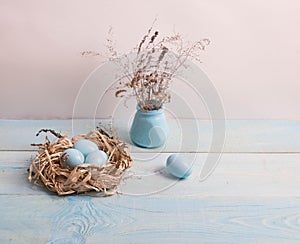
(97, 157)
(85, 146)
(72, 157)
(176, 165)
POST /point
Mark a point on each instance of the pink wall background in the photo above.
(253, 60)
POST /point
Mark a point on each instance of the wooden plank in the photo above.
(120, 219)
(186, 135)
(243, 175)
(250, 197)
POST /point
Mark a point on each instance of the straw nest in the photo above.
(47, 167)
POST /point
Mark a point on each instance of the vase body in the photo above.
(149, 129)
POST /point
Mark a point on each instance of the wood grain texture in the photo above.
(120, 219)
(252, 196)
(186, 135)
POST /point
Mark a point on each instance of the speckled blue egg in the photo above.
(72, 157)
(85, 146)
(177, 166)
(97, 157)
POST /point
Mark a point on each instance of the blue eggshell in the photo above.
(97, 157)
(85, 146)
(72, 157)
(178, 167)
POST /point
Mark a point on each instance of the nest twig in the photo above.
(47, 168)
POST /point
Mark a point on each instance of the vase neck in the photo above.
(150, 112)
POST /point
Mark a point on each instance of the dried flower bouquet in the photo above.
(149, 73)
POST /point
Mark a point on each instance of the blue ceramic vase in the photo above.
(149, 128)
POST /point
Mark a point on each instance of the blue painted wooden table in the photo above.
(252, 196)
